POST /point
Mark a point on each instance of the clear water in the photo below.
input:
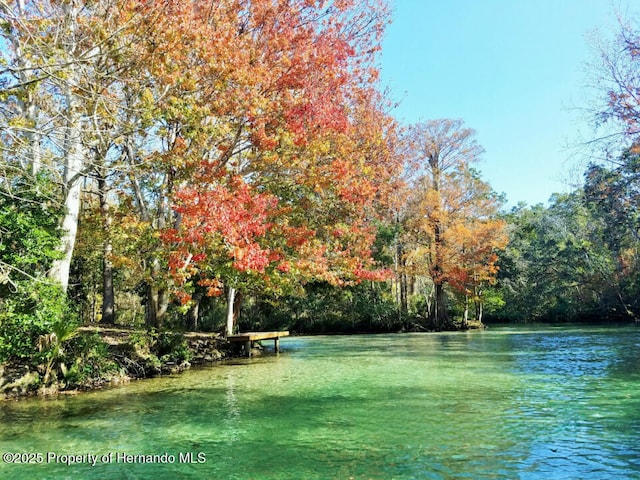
(504, 403)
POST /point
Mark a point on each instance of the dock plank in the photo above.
(254, 336)
(247, 338)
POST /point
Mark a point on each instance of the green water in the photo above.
(504, 403)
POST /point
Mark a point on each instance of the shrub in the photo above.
(89, 359)
(172, 347)
(32, 311)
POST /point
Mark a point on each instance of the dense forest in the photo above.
(236, 165)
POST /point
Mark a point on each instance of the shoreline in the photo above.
(132, 358)
(130, 355)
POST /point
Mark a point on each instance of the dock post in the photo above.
(276, 344)
(247, 347)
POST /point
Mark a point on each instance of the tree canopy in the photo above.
(172, 164)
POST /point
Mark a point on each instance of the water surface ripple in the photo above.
(506, 403)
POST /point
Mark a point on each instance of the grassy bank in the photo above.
(93, 357)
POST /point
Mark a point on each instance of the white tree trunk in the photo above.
(60, 269)
(231, 297)
(26, 104)
(479, 312)
(74, 164)
(465, 315)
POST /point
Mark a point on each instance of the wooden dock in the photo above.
(248, 338)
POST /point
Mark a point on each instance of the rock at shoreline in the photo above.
(18, 380)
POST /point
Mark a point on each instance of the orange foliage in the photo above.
(451, 213)
(282, 137)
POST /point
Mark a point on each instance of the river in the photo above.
(508, 402)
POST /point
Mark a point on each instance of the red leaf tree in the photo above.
(280, 147)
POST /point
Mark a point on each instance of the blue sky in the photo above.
(513, 70)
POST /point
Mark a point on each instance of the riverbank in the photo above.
(106, 356)
(97, 356)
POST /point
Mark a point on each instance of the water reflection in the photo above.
(504, 403)
(231, 409)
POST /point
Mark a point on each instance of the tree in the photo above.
(65, 67)
(612, 196)
(448, 201)
(617, 80)
(272, 101)
(558, 265)
(476, 235)
(301, 172)
(48, 53)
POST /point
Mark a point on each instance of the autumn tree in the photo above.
(477, 235)
(615, 78)
(270, 111)
(297, 170)
(449, 214)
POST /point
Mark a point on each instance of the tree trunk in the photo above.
(108, 294)
(231, 297)
(429, 301)
(465, 316)
(479, 308)
(157, 301)
(151, 306)
(440, 317)
(404, 303)
(157, 305)
(237, 306)
(194, 311)
(159, 293)
(74, 161)
(163, 305)
(402, 279)
(73, 188)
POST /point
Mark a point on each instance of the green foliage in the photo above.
(35, 309)
(172, 347)
(322, 308)
(29, 230)
(163, 346)
(545, 271)
(37, 325)
(88, 360)
(51, 345)
(212, 315)
(612, 196)
(493, 301)
(386, 234)
(143, 341)
(578, 259)
(30, 307)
